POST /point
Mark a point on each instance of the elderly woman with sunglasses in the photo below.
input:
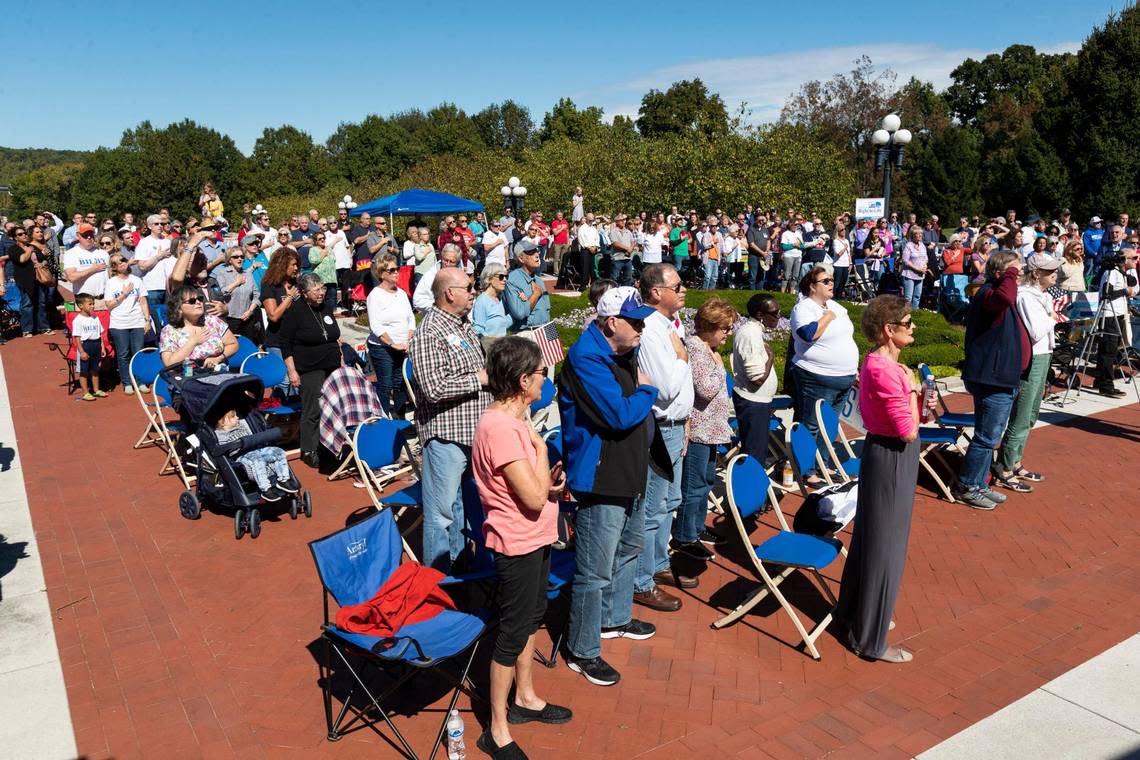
(826, 357)
(489, 317)
(889, 401)
(392, 323)
(193, 334)
(241, 293)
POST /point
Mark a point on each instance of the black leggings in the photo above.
(522, 601)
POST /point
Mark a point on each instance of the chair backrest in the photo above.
(161, 390)
(553, 438)
(355, 562)
(827, 419)
(748, 488)
(407, 370)
(246, 348)
(144, 367)
(270, 368)
(379, 441)
(473, 511)
(802, 450)
(545, 400)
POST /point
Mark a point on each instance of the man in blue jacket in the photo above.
(1091, 241)
(608, 432)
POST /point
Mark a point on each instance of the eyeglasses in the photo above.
(469, 288)
(451, 224)
(500, 277)
(824, 281)
(906, 324)
(537, 371)
(106, 244)
(390, 270)
(192, 299)
(675, 288)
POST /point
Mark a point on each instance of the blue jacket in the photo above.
(607, 419)
(1091, 241)
(994, 335)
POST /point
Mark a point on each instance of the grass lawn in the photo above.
(936, 342)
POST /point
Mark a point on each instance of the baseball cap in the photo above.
(1095, 220)
(623, 302)
(1043, 261)
(84, 227)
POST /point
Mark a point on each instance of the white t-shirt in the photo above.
(652, 246)
(390, 313)
(148, 248)
(840, 253)
(1115, 307)
(86, 328)
(422, 298)
(338, 243)
(729, 249)
(792, 238)
(128, 314)
(93, 284)
(499, 255)
(833, 354)
(409, 252)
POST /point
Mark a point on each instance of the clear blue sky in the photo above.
(82, 75)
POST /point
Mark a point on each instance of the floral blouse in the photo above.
(174, 338)
(708, 422)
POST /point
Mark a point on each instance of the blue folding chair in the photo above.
(170, 431)
(962, 421)
(540, 409)
(932, 442)
(143, 369)
(271, 370)
(828, 421)
(407, 371)
(802, 454)
(376, 447)
(749, 489)
(246, 348)
(353, 564)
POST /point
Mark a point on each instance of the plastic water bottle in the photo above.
(187, 368)
(928, 391)
(787, 479)
(456, 749)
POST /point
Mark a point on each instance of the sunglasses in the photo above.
(824, 281)
(192, 299)
(88, 235)
(500, 277)
(106, 244)
(906, 324)
(237, 257)
(390, 270)
(675, 288)
(468, 288)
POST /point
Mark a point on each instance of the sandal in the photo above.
(1032, 477)
(511, 751)
(1011, 483)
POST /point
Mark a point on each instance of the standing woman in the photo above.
(519, 490)
(840, 258)
(889, 401)
(242, 296)
(391, 323)
(309, 339)
(324, 263)
(826, 357)
(130, 315)
(489, 318)
(708, 422)
(976, 267)
(874, 253)
(1072, 273)
(1035, 307)
(43, 261)
(913, 263)
(278, 294)
(22, 263)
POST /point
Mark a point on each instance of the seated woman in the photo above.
(519, 492)
(192, 334)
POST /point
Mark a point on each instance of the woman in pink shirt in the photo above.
(519, 491)
(888, 402)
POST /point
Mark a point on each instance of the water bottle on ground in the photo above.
(456, 750)
(787, 480)
(928, 391)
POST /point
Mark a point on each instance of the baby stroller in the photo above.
(221, 480)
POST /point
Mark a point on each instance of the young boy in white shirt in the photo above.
(87, 334)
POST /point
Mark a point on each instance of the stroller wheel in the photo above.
(307, 504)
(254, 523)
(239, 523)
(294, 506)
(188, 505)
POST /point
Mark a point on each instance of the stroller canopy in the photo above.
(201, 395)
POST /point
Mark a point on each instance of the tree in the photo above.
(375, 149)
(686, 109)
(566, 120)
(47, 188)
(505, 126)
(286, 160)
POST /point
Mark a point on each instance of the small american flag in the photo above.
(548, 342)
(1061, 301)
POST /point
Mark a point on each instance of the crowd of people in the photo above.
(643, 403)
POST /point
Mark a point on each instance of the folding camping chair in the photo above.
(828, 421)
(932, 442)
(70, 355)
(859, 281)
(353, 564)
(143, 369)
(749, 488)
(376, 448)
(960, 421)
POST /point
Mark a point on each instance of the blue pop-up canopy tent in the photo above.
(417, 201)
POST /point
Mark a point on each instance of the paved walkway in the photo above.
(177, 640)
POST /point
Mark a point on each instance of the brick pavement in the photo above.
(177, 640)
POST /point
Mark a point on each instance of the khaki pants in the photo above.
(554, 258)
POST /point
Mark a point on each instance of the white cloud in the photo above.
(765, 82)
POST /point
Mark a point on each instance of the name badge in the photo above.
(328, 320)
(455, 341)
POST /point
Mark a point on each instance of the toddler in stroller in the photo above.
(266, 466)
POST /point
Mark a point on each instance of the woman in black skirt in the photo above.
(889, 403)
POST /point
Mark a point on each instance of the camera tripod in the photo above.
(1103, 325)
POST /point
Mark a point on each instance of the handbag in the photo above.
(44, 275)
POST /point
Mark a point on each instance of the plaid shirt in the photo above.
(347, 399)
(446, 356)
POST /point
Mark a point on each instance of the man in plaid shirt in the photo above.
(449, 381)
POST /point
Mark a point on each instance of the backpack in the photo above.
(827, 510)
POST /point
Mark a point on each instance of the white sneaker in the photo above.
(129, 390)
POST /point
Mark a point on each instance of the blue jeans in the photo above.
(811, 387)
(753, 419)
(622, 272)
(712, 270)
(755, 272)
(661, 500)
(33, 308)
(156, 300)
(840, 275)
(992, 406)
(266, 465)
(698, 474)
(678, 262)
(127, 343)
(388, 364)
(443, 466)
(608, 540)
(912, 291)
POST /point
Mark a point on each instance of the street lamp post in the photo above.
(513, 193)
(889, 154)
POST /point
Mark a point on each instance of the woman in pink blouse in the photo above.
(888, 402)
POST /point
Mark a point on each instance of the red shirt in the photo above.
(953, 260)
(543, 232)
(561, 229)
